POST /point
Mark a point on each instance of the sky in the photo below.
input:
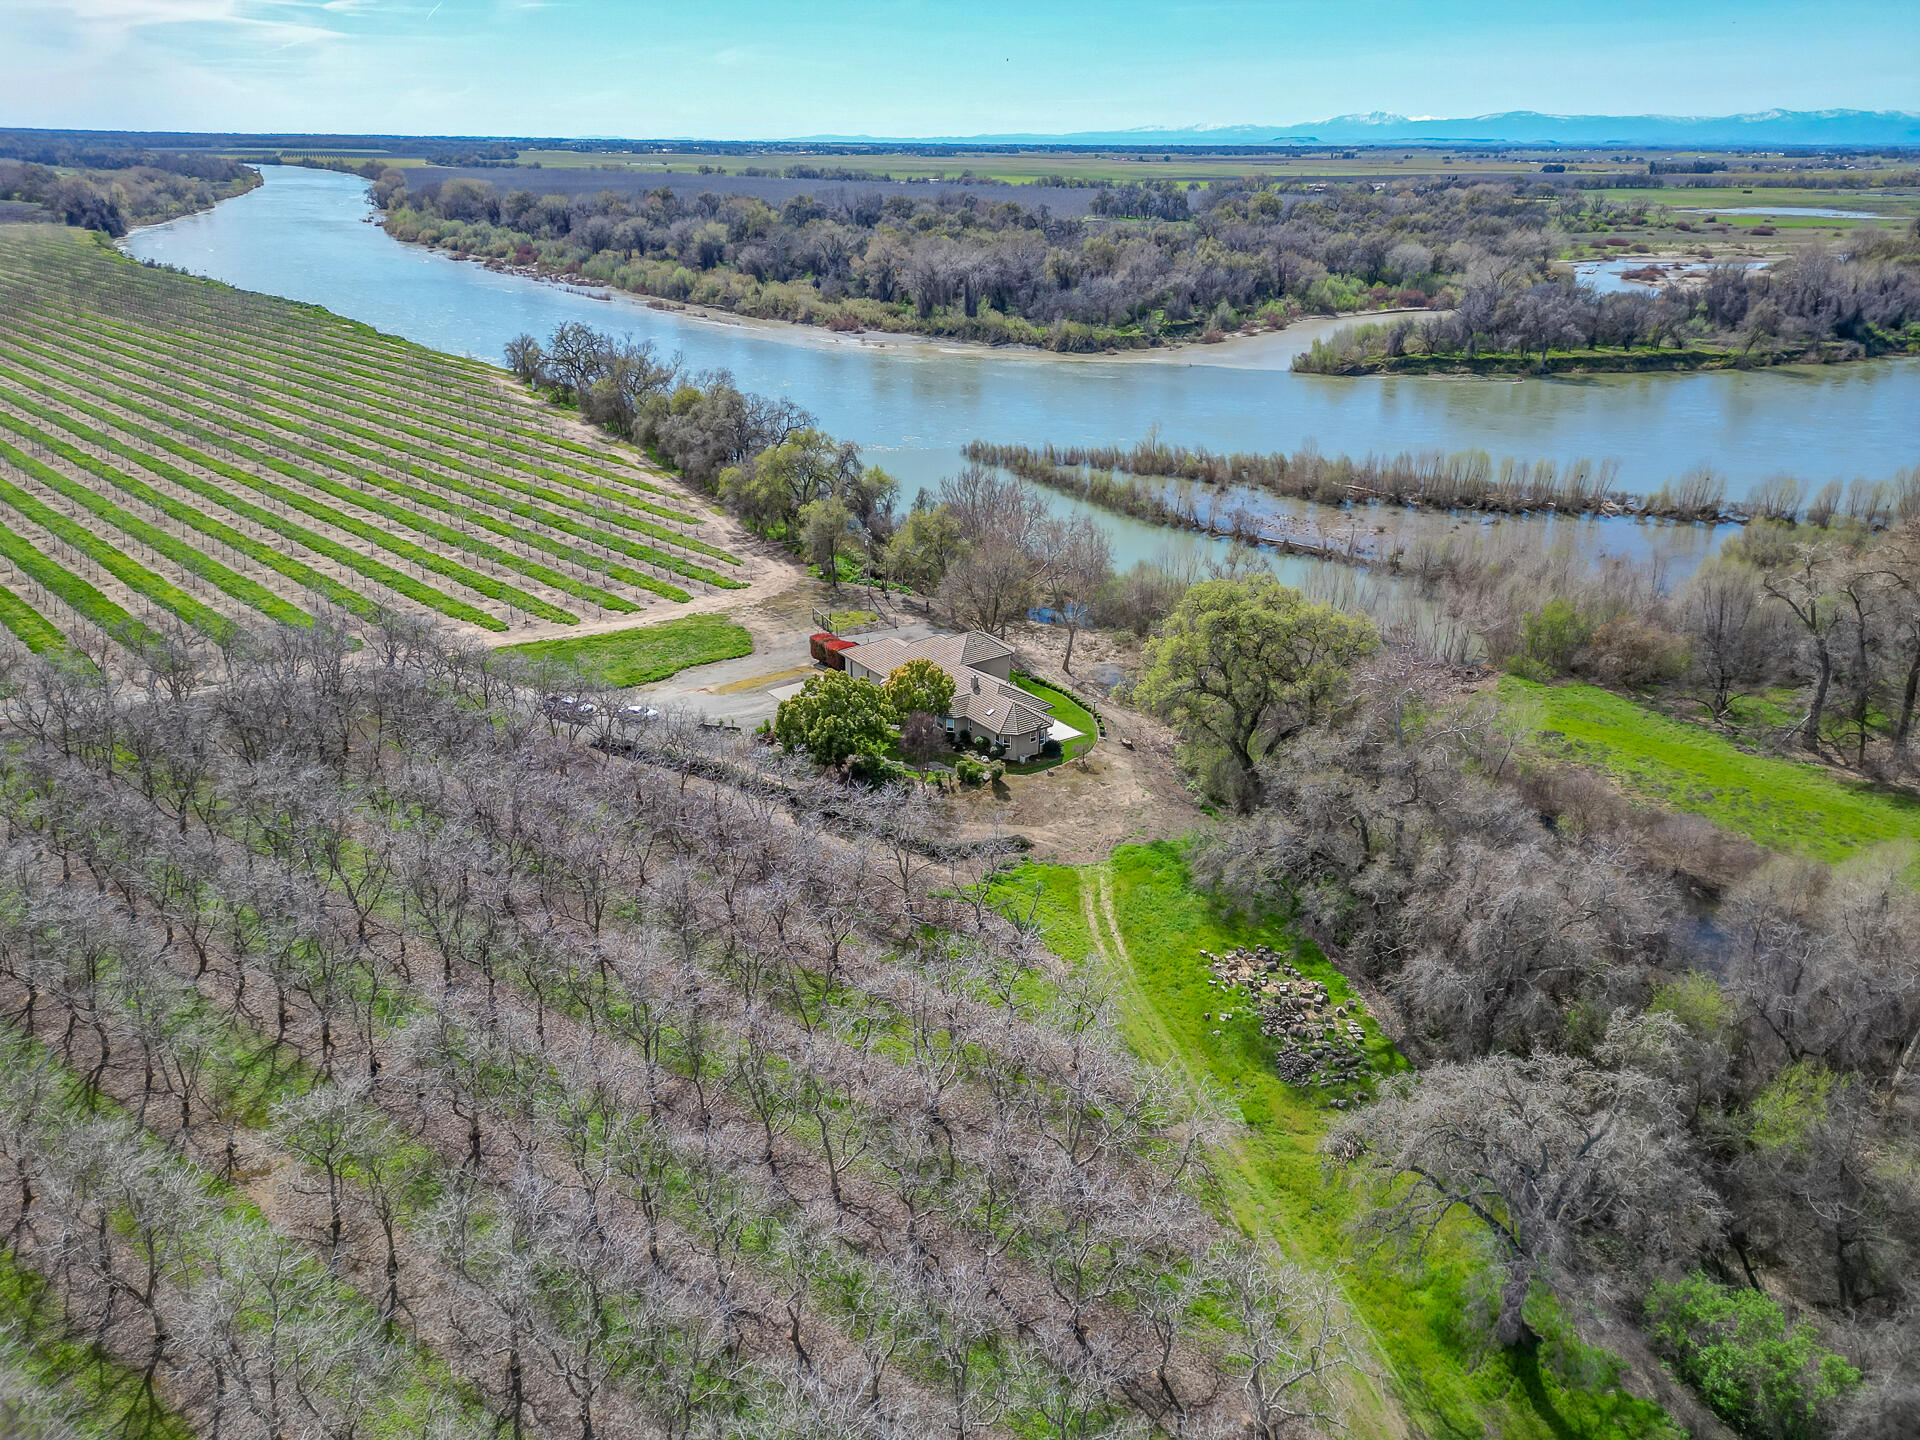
(760, 69)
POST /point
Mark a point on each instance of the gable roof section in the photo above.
(989, 704)
(1000, 710)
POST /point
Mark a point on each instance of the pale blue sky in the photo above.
(762, 68)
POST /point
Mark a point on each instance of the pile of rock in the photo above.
(1320, 1043)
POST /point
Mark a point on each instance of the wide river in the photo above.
(911, 404)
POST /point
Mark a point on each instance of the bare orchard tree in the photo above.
(1290, 1339)
(1575, 1171)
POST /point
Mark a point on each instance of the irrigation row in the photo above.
(268, 377)
(347, 557)
(225, 421)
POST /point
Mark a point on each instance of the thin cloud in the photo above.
(287, 21)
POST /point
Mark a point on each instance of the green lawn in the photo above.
(1137, 916)
(648, 653)
(1066, 708)
(1781, 804)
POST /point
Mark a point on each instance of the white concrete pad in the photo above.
(787, 692)
(1062, 732)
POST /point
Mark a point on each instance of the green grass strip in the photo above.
(406, 549)
(83, 599)
(1140, 920)
(122, 567)
(1781, 804)
(295, 570)
(248, 592)
(34, 630)
(396, 580)
(646, 653)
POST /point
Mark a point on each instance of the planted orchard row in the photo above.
(117, 563)
(361, 529)
(434, 407)
(225, 1302)
(189, 558)
(283, 346)
(261, 554)
(562, 1112)
(396, 580)
(79, 596)
(409, 518)
(603, 598)
(226, 420)
(436, 437)
(572, 1108)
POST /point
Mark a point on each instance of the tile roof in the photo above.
(988, 703)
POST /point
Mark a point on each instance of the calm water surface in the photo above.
(912, 404)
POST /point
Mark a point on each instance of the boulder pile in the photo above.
(1320, 1043)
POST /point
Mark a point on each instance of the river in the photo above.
(911, 403)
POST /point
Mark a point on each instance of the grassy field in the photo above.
(652, 652)
(1781, 804)
(1066, 708)
(175, 453)
(1019, 166)
(1137, 916)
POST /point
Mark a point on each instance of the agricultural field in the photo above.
(474, 1085)
(176, 455)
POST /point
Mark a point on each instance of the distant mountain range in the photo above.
(1762, 129)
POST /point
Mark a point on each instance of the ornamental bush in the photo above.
(1760, 1372)
(835, 718)
(918, 685)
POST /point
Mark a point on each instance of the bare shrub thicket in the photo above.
(1618, 1093)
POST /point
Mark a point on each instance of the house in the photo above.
(986, 702)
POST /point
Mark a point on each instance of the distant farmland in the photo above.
(175, 453)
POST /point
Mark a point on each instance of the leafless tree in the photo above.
(1562, 1163)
